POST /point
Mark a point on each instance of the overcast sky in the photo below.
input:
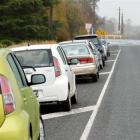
(130, 8)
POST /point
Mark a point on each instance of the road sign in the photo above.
(88, 27)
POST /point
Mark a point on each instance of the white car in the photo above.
(49, 59)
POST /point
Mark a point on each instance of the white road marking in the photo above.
(109, 60)
(114, 51)
(104, 73)
(90, 123)
(72, 112)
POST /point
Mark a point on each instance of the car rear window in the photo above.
(35, 58)
(75, 49)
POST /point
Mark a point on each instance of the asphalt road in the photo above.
(118, 114)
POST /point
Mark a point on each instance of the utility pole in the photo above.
(119, 22)
(122, 25)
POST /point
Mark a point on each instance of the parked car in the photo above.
(107, 46)
(19, 109)
(49, 59)
(105, 50)
(97, 54)
(81, 58)
(92, 48)
(95, 39)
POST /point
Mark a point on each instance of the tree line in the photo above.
(25, 20)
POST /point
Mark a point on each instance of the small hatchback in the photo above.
(85, 61)
(19, 109)
(49, 59)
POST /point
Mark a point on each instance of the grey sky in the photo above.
(131, 9)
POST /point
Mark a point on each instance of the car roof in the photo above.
(35, 47)
(74, 42)
(87, 35)
(4, 51)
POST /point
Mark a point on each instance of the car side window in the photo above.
(91, 48)
(20, 70)
(62, 55)
(15, 70)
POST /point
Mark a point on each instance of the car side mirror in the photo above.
(37, 79)
(74, 61)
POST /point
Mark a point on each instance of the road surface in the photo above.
(108, 109)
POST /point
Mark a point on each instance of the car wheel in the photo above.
(101, 67)
(95, 77)
(67, 103)
(98, 76)
(42, 130)
(74, 98)
(108, 54)
(103, 63)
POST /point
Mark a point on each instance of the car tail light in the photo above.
(87, 60)
(56, 67)
(7, 94)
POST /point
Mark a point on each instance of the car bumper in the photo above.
(85, 69)
(55, 92)
(15, 127)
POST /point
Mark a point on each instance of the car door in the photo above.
(30, 103)
(68, 70)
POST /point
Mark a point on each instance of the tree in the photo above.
(21, 19)
(50, 5)
(68, 13)
(74, 19)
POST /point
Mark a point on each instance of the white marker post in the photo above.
(88, 27)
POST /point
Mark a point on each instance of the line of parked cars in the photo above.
(51, 71)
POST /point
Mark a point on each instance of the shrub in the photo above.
(6, 43)
(1, 46)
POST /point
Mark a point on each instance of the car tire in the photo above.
(103, 63)
(67, 103)
(108, 54)
(74, 98)
(101, 67)
(42, 130)
(95, 77)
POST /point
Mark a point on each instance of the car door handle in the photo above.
(25, 100)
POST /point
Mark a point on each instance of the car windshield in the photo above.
(75, 49)
(35, 58)
(96, 41)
